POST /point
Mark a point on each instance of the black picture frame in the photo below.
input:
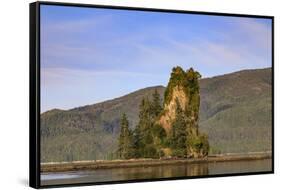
(34, 90)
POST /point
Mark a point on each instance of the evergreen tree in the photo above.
(156, 107)
(137, 142)
(197, 144)
(179, 132)
(125, 141)
(159, 137)
(143, 132)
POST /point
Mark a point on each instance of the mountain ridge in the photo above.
(157, 86)
(238, 92)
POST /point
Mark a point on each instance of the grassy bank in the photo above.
(108, 164)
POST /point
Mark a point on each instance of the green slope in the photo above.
(88, 132)
(235, 112)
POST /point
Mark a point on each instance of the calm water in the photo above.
(117, 174)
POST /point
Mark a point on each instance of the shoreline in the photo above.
(110, 164)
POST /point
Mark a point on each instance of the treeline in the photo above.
(146, 140)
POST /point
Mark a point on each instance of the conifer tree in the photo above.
(125, 141)
(197, 144)
(179, 132)
(137, 142)
(156, 107)
(143, 132)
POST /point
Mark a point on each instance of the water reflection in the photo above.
(197, 169)
(164, 171)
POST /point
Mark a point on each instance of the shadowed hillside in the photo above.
(235, 112)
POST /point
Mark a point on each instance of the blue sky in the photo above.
(90, 55)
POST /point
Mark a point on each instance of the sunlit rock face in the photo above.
(183, 89)
(169, 113)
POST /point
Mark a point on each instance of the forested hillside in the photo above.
(235, 112)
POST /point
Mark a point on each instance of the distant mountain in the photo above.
(235, 112)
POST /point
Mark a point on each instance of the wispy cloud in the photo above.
(53, 76)
(258, 33)
(85, 52)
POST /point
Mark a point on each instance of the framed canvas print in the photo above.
(121, 94)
